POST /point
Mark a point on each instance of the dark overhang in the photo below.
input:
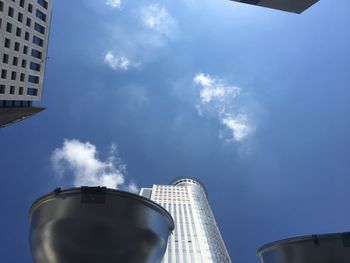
(11, 115)
(294, 6)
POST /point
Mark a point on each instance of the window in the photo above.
(30, 8)
(29, 22)
(20, 91)
(32, 92)
(12, 89)
(2, 89)
(38, 41)
(11, 11)
(43, 3)
(1, 6)
(7, 42)
(35, 66)
(24, 63)
(8, 103)
(37, 54)
(5, 58)
(26, 103)
(18, 32)
(15, 61)
(4, 74)
(40, 15)
(17, 103)
(17, 46)
(25, 49)
(26, 36)
(13, 75)
(39, 28)
(9, 27)
(20, 17)
(22, 77)
(33, 79)
(0, 22)
(21, 3)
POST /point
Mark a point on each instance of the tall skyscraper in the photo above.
(24, 35)
(196, 238)
(294, 6)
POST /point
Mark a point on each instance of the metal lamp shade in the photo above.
(330, 248)
(98, 225)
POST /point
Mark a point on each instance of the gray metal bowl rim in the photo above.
(294, 240)
(69, 191)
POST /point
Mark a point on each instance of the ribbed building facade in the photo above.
(24, 36)
(196, 238)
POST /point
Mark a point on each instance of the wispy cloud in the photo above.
(214, 89)
(218, 100)
(238, 124)
(132, 187)
(80, 161)
(158, 18)
(114, 3)
(139, 36)
(120, 62)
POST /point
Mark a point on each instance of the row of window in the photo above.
(33, 66)
(15, 103)
(42, 3)
(37, 27)
(35, 53)
(174, 189)
(31, 78)
(20, 91)
(21, 4)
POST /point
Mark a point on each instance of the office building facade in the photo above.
(24, 35)
(196, 238)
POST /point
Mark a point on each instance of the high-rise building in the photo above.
(294, 6)
(24, 35)
(196, 238)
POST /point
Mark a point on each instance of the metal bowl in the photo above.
(98, 225)
(329, 248)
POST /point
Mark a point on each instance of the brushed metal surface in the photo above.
(98, 225)
(329, 248)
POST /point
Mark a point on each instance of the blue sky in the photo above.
(252, 101)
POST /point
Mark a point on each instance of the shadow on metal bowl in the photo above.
(98, 225)
(328, 248)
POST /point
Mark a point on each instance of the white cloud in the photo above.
(238, 125)
(157, 18)
(132, 187)
(218, 100)
(114, 3)
(119, 62)
(139, 36)
(212, 88)
(80, 160)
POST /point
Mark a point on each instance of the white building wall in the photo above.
(196, 238)
(24, 27)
